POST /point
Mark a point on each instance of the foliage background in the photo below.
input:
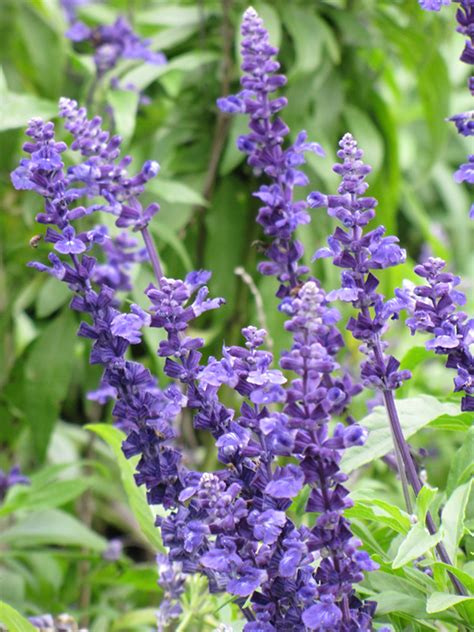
(384, 70)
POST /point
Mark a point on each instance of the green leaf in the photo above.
(417, 542)
(131, 620)
(271, 20)
(438, 601)
(173, 16)
(51, 297)
(367, 134)
(17, 109)
(424, 499)
(414, 412)
(308, 34)
(462, 466)
(164, 233)
(380, 512)
(452, 518)
(124, 104)
(225, 225)
(175, 192)
(52, 527)
(136, 495)
(456, 423)
(467, 579)
(13, 620)
(55, 494)
(232, 157)
(393, 601)
(414, 357)
(145, 74)
(43, 384)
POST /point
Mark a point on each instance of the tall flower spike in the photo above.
(433, 309)
(465, 120)
(359, 253)
(281, 214)
(312, 399)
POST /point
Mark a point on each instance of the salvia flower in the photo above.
(359, 252)
(281, 214)
(312, 399)
(114, 42)
(465, 120)
(434, 309)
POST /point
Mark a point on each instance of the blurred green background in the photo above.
(384, 70)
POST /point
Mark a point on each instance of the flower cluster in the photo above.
(114, 42)
(231, 525)
(433, 310)
(282, 214)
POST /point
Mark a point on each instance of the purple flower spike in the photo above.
(281, 214)
(464, 121)
(358, 253)
(434, 310)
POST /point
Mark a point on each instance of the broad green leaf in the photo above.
(173, 15)
(131, 620)
(462, 466)
(466, 578)
(307, 33)
(367, 134)
(51, 297)
(17, 109)
(55, 494)
(46, 372)
(145, 74)
(170, 37)
(456, 423)
(393, 601)
(414, 357)
(13, 620)
(382, 513)
(52, 527)
(175, 192)
(136, 495)
(417, 542)
(452, 518)
(164, 233)
(232, 157)
(438, 601)
(124, 104)
(271, 20)
(12, 586)
(225, 225)
(414, 412)
(423, 501)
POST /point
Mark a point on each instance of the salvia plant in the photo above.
(275, 530)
